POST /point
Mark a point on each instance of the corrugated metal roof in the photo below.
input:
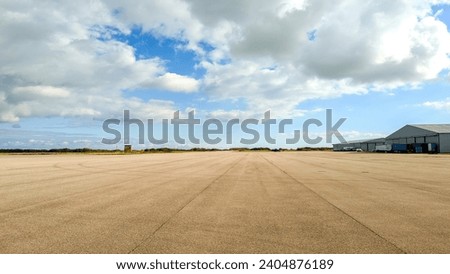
(438, 128)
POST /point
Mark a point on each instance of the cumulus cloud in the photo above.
(56, 60)
(62, 58)
(355, 47)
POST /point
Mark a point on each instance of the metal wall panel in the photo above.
(444, 143)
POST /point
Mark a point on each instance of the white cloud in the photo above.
(54, 65)
(358, 47)
(278, 88)
(439, 105)
(32, 92)
(59, 58)
(172, 81)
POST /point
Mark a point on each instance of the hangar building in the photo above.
(412, 138)
(422, 134)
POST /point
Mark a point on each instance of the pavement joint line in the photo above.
(185, 205)
(333, 205)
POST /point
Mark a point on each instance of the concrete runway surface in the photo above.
(225, 202)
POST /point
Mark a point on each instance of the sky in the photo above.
(67, 66)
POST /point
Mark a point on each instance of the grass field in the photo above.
(225, 202)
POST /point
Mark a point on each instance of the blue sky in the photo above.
(380, 65)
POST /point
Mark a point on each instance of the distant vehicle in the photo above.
(359, 150)
(348, 149)
(391, 148)
(383, 148)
